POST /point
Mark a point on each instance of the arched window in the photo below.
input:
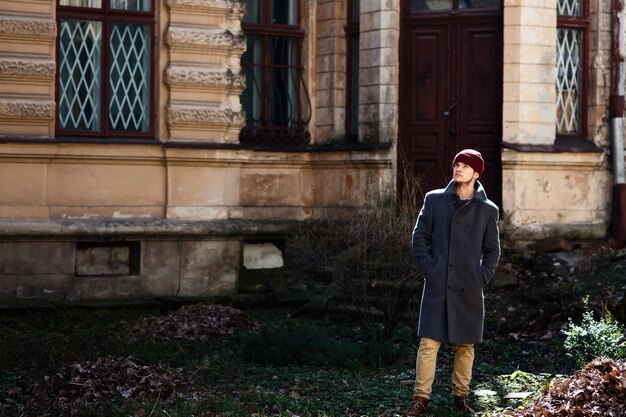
(275, 100)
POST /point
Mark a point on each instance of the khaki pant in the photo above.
(427, 361)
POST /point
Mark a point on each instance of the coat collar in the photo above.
(479, 191)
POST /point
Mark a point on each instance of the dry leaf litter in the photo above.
(598, 390)
(92, 382)
(107, 378)
(201, 321)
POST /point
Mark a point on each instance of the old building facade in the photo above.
(145, 143)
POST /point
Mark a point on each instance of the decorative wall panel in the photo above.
(205, 45)
(27, 70)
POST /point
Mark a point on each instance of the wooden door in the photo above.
(451, 92)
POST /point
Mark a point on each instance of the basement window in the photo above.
(97, 259)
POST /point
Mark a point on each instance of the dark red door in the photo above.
(451, 90)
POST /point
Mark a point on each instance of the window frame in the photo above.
(107, 16)
(263, 133)
(580, 23)
(352, 31)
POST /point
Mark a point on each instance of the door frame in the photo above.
(410, 20)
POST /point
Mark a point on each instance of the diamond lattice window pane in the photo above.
(569, 7)
(129, 77)
(568, 81)
(80, 75)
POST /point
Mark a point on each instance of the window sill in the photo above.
(344, 146)
(575, 145)
(85, 140)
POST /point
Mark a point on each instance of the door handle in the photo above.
(446, 113)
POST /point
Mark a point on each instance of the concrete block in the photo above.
(107, 288)
(45, 286)
(29, 257)
(209, 267)
(160, 266)
(262, 256)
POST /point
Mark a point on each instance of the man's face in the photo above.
(463, 173)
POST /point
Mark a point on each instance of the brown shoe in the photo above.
(419, 407)
(461, 405)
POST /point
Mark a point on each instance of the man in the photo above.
(457, 247)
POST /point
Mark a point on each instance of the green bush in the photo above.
(309, 345)
(594, 338)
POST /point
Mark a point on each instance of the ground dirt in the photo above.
(545, 290)
(528, 305)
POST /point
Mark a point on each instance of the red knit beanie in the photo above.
(472, 158)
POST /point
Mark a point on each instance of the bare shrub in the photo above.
(364, 259)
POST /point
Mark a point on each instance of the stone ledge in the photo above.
(548, 160)
(11, 229)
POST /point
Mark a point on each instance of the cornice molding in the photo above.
(203, 78)
(21, 109)
(205, 39)
(27, 69)
(180, 114)
(28, 27)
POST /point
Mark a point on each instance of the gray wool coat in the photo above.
(457, 251)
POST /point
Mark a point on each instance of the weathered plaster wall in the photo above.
(599, 72)
(549, 192)
(555, 194)
(121, 220)
(245, 184)
(190, 210)
(330, 66)
(75, 181)
(204, 46)
(529, 100)
(378, 71)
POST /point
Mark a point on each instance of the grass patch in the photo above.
(307, 344)
(295, 366)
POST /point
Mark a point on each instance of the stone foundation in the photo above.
(113, 261)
